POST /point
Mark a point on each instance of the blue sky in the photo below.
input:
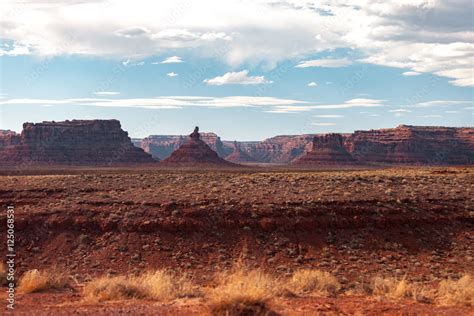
(244, 80)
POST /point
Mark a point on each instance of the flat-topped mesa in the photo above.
(327, 150)
(407, 144)
(76, 142)
(195, 152)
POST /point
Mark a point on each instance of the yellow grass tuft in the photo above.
(243, 292)
(3, 274)
(399, 289)
(314, 282)
(160, 285)
(460, 292)
(37, 281)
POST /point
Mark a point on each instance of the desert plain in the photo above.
(271, 240)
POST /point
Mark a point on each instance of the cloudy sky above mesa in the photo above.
(243, 69)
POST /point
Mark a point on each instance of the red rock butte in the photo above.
(76, 142)
(195, 152)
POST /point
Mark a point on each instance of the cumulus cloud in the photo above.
(327, 63)
(172, 74)
(240, 77)
(312, 84)
(423, 36)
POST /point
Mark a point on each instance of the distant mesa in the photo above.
(161, 146)
(195, 152)
(327, 150)
(238, 155)
(76, 142)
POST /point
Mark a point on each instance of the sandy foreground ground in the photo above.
(413, 223)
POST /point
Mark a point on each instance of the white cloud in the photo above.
(400, 111)
(240, 77)
(441, 103)
(168, 102)
(106, 93)
(312, 84)
(183, 35)
(323, 124)
(170, 60)
(289, 109)
(431, 116)
(352, 104)
(425, 36)
(132, 32)
(17, 50)
(411, 73)
(328, 63)
(130, 63)
(329, 116)
(172, 74)
(452, 112)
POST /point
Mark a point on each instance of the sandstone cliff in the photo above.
(76, 142)
(238, 155)
(278, 149)
(413, 145)
(327, 150)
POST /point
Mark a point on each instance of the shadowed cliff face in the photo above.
(78, 142)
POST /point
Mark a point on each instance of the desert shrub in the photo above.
(3, 274)
(460, 292)
(243, 292)
(37, 281)
(314, 282)
(160, 285)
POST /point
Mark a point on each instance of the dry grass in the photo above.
(460, 292)
(393, 288)
(3, 274)
(160, 285)
(243, 292)
(37, 281)
(314, 282)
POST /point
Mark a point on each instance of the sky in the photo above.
(246, 70)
